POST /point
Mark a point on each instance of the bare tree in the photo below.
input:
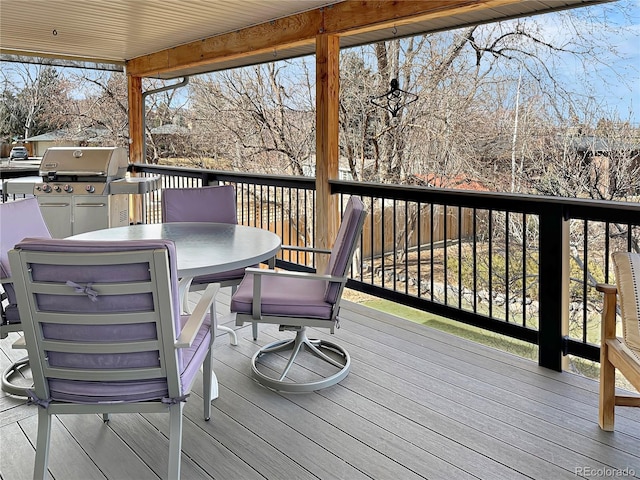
(32, 99)
(265, 113)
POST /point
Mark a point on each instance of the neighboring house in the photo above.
(170, 140)
(608, 161)
(67, 138)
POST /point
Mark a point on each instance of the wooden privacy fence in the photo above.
(385, 230)
(398, 227)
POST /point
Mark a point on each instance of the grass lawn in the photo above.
(495, 340)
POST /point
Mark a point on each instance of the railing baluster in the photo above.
(506, 266)
(419, 247)
(431, 242)
(460, 257)
(524, 269)
(475, 261)
(490, 272)
(445, 235)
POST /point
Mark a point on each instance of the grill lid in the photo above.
(99, 163)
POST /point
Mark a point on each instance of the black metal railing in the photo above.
(523, 266)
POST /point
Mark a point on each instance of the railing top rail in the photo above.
(599, 210)
(226, 176)
(579, 208)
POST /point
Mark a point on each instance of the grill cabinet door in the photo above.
(90, 213)
(56, 212)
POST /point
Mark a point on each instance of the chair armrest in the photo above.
(606, 288)
(305, 249)
(258, 273)
(191, 328)
(300, 275)
(19, 344)
(609, 305)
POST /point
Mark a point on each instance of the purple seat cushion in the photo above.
(289, 297)
(93, 392)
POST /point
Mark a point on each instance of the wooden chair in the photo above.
(297, 300)
(620, 353)
(18, 219)
(104, 333)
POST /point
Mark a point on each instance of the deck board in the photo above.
(418, 403)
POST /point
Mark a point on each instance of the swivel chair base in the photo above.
(11, 388)
(296, 344)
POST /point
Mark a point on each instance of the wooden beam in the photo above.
(294, 30)
(136, 111)
(346, 18)
(354, 17)
(136, 140)
(327, 102)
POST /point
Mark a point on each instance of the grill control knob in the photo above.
(90, 188)
(46, 188)
(57, 188)
(68, 188)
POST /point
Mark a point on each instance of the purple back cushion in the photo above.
(204, 204)
(105, 304)
(18, 220)
(342, 249)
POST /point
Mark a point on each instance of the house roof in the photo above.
(458, 182)
(174, 38)
(86, 135)
(594, 144)
(170, 129)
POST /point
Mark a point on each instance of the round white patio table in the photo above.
(202, 248)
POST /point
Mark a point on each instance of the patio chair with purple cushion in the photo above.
(104, 333)
(205, 204)
(296, 301)
(18, 219)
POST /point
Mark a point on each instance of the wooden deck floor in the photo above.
(418, 403)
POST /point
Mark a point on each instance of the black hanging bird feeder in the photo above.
(394, 99)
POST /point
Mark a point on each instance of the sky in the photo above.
(614, 85)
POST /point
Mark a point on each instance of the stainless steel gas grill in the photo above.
(75, 196)
(81, 189)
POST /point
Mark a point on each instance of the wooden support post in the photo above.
(327, 103)
(136, 140)
(136, 111)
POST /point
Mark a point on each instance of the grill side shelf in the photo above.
(135, 185)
